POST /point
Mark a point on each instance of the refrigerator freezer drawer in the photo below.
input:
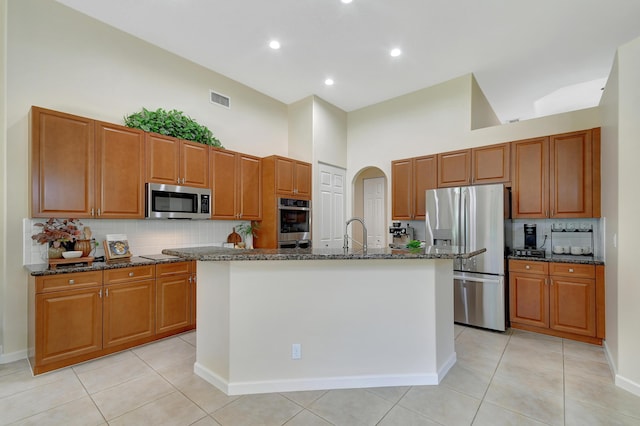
(479, 301)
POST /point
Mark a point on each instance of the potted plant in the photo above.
(57, 233)
(171, 123)
(248, 229)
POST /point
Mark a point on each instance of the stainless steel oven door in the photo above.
(479, 300)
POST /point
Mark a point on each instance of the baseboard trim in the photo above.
(306, 384)
(13, 356)
(620, 381)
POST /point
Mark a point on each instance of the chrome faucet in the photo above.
(364, 234)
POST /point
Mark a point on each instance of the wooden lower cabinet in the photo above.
(79, 316)
(560, 299)
(174, 297)
(129, 313)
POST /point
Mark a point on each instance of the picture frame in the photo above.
(116, 247)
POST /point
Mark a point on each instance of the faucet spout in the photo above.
(364, 234)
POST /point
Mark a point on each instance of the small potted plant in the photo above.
(56, 233)
(248, 229)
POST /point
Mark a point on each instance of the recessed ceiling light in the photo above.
(396, 52)
(274, 44)
(329, 82)
(346, 1)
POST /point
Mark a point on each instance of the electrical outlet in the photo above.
(296, 351)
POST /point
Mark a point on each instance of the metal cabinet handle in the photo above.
(131, 274)
(100, 294)
(189, 279)
(570, 269)
(99, 212)
(72, 281)
(527, 267)
(106, 292)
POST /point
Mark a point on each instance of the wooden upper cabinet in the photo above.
(119, 171)
(454, 168)
(236, 182)
(84, 168)
(194, 164)
(163, 159)
(292, 178)
(62, 155)
(530, 178)
(410, 179)
(402, 189)
(249, 187)
(223, 184)
(491, 164)
(557, 176)
(571, 177)
(176, 162)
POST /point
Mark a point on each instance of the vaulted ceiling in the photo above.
(530, 58)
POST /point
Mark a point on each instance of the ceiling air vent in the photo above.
(217, 98)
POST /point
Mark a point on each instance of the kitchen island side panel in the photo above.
(362, 323)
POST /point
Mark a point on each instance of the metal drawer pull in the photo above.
(527, 267)
(130, 274)
(570, 269)
(72, 281)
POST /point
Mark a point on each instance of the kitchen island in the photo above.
(306, 319)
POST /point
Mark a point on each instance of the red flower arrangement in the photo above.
(58, 231)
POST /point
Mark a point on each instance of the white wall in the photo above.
(301, 129)
(622, 132)
(3, 164)
(60, 59)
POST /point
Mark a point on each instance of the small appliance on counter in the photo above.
(530, 236)
(401, 235)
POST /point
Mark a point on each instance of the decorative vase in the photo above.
(84, 246)
(55, 250)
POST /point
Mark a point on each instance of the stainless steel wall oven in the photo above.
(294, 223)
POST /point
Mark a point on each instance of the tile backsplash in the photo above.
(144, 236)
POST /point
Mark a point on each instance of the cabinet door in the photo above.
(223, 184)
(129, 313)
(529, 299)
(163, 159)
(571, 177)
(573, 305)
(68, 324)
(173, 310)
(454, 168)
(402, 189)
(491, 164)
(303, 180)
(530, 178)
(194, 164)
(425, 176)
(119, 172)
(62, 155)
(284, 176)
(249, 187)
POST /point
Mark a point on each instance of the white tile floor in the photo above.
(516, 378)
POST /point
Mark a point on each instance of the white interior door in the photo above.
(329, 211)
(374, 212)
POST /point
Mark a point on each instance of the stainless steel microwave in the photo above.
(177, 202)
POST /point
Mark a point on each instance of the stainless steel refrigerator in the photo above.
(473, 217)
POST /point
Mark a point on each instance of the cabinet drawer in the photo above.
(134, 273)
(573, 270)
(176, 268)
(68, 281)
(528, 267)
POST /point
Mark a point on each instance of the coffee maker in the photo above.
(401, 235)
(530, 236)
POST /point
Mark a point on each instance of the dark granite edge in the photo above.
(560, 259)
(215, 254)
(42, 269)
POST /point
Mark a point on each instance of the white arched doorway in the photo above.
(370, 203)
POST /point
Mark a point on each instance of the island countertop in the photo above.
(228, 254)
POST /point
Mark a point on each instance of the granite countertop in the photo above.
(585, 260)
(43, 269)
(228, 254)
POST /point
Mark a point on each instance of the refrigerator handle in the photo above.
(465, 223)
